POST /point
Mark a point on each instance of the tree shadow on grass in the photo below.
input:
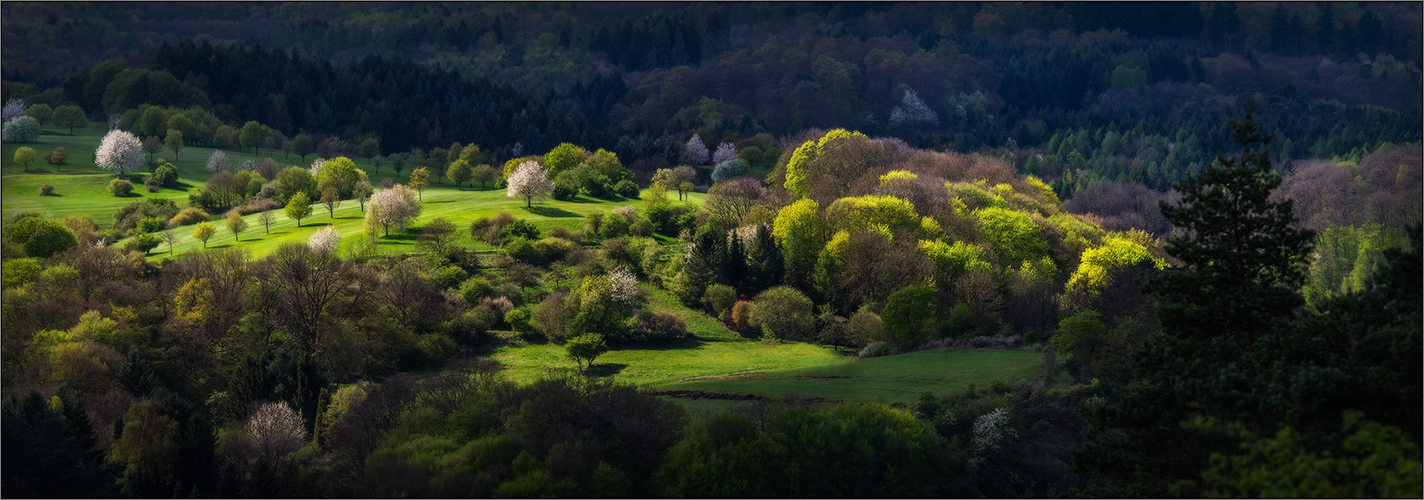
(605, 369)
(548, 211)
(401, 236)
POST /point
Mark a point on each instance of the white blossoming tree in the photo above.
(397, 206)
(912, 112)
(531, 181)
(725, 152)
(218, 162)
(324, 240)
(695, 150)
(623, 288)
(119, 151)
(316, 166)
(13, 108)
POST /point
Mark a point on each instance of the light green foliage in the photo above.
(898, 176)
(800, 169)
(974, 196)
(299, 207)
(25, 155)
(1014, 235)
(19, 272)
(783, 313)
(931, 228)
(1096, 264)
(952, 261)
(342, 173)
(253, 134)
(460, 171)
(1080, 331)
(886, 212)
(1345, 256)
(205, 230)
(586, 348)
(1374, 461)
(148, 444)
(1050, 198)
(563, 157)
(801, 233)
(1078, 234)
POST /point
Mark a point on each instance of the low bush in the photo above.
(120, 187)
(46, 190)
(188, 216)
(659, 325)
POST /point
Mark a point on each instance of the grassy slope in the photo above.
(82, 189)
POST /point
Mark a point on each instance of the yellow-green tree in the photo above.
(203, 231)
(801, 233)
(25, 155)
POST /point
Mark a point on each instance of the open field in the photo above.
(82, 190)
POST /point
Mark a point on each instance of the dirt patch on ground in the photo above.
(736, 397)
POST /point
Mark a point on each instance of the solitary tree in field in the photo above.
(419, 180)
(331, 199)
(236, 224)
(299, 207)
(218, 161)
(174, 141)
(266, 219)
(203, 231)
(170, 238)
(25, 155)
(362, 192)
(586, 348)
(301, 145)
(370, 148)
(119, 151)
(530, 181)
(71, 117)
(394, 206)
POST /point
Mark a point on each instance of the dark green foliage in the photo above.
(909, 315)
(51, 454)
(1244, 261)
(126, 217)
(42, 237)
(859, 451)
(521, 228)
(706, 264)
(765, 264)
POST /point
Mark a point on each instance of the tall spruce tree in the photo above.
(1243, 262)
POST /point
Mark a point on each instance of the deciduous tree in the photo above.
(70, 117)
(236, 224)
(298, 207)
(119, 152)
(25, 155)
(530, 181)
(203, 231)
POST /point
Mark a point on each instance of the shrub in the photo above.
(149, 225)
(552, 249)
(626, 189)
(190, 215)
(741, 316)
(658, 325)
(614, 226)
(151, 185)
(165, 175)
(729, 170)
(642, 228)
(519, 227)
(258, 205)
(41, 237)
(586, 348)
(145, 242)
(46, 190)
(120, 187)
(476, 288)
(445, 277)
(518, 320)
(784, 313)
(521, 249)
(718, 299)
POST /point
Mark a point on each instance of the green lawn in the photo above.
(82, 190)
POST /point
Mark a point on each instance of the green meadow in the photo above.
(81, 188)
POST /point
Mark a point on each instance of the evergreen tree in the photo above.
(1243, 263)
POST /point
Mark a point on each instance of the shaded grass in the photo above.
(895, 378)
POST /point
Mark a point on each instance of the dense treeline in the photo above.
(1134, 89)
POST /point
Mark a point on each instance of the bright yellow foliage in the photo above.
(898, 176)
(1115, 253)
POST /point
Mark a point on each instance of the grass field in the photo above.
(82, 190)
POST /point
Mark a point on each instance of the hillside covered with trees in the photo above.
(725, 250)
